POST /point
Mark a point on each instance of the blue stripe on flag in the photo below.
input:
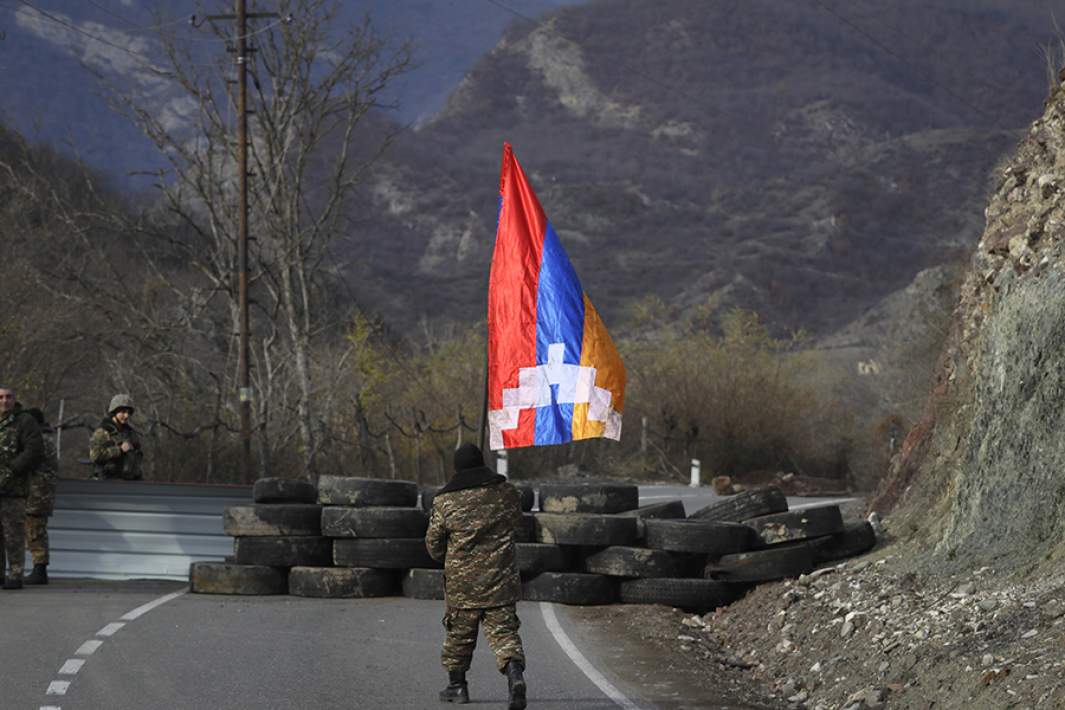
(559, 319)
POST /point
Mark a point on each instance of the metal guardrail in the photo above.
(138, 530)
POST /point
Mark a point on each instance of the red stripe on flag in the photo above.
(512, 291)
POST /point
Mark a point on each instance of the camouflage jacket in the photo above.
(105, 450)
(21, 449)
(472, 530)
(48, 468)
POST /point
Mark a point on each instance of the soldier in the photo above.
(115, 446)
(471, 529)
(20, 453)
(41, 503)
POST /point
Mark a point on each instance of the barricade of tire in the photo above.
(588, 543)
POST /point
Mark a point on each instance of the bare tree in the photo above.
(313, 86)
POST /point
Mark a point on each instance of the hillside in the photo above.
(987, 451)
(768, 155)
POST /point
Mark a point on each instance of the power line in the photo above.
(818, 3)
(134, 27)
(888, 50)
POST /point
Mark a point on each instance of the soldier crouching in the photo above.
(472, 529)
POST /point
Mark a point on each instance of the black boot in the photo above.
(39, 575)
(516, 684)
(13, 582)
(456, 691)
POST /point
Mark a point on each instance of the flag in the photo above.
(554, 374)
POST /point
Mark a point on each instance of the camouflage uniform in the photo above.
(105, 451)
(41, 503)
(21, 449)
(472, 528)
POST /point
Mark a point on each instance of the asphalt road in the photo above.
(140, 645)
(63, 648)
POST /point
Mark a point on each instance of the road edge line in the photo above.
(608, 688)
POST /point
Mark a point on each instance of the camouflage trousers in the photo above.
(39, 505)
(500, 626)
(12, 533)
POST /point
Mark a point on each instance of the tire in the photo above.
(783, 561)
(345, 490)
(343, 521)
(283, 490)
(588, 498)
(342, 582)
(428, 494)
(797, 524)
(394, 553)
(227, 578)
(688, 594)
(423, 584)
(584, 529)
(526, 531)
(854, 539)
(708, 538)
(570, 588)
(669, 510)
(270, 519)
(638, 562)
(528, 497)
(745, 505)
(283, 551)
(535, 557)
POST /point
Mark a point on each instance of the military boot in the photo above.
(516, 684)
(14, 581)
(456, 691)
(39, 575)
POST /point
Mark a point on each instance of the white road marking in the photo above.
(88, 648)
(111, 629)
(72, 666)
(145, 608)
(581, 662)
(57, 687)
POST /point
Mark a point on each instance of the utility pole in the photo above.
(242, 241)
(244, 392)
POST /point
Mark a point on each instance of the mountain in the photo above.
(803, 159)
(50, 50)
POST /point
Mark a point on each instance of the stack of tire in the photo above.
(427, 582)
(649, 555)
(788, 543)
(377, 533)
(279, 533)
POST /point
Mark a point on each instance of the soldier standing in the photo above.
(115, 446)
(472, 528)
(20, 453)
(41, 503)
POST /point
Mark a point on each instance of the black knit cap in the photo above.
(468, 456)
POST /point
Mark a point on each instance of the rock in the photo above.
(988, 604)
(1053, 609)
(722, 485)
(966, 589)
(987, 660)
(1030, 634)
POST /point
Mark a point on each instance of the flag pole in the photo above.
(484, 403)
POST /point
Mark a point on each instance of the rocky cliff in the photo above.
(981, 477)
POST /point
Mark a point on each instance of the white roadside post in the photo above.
(501, 462)
(695, 474)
